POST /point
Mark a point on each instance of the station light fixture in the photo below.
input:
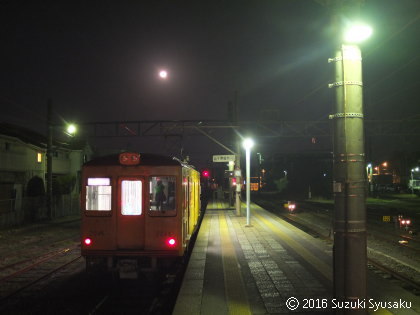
(248, 143)
(357, 33)
(71, 129)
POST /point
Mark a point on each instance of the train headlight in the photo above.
(87, 241)
(171, 242)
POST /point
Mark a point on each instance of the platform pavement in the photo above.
(235, 269)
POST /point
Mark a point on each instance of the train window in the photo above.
(98, 194)
(131, 197)
(162, 193)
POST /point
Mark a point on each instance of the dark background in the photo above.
(99, 60)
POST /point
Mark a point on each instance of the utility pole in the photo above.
(49, 159)
(349, 177)
(237, 168)
(349, 184)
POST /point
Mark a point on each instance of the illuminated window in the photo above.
(39, 157)
(98, 194)
(162, 193)
(131, 197)
(99, 181)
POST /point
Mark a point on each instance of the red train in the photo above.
(138, 211)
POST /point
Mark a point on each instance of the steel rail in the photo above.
(310, 230)
(27, 285)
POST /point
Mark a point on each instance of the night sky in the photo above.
(99, 60)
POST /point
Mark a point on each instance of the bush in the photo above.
(281, 184)
(35, 187)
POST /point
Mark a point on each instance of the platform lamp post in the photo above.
(369, 177)
(349, 185)
(412, 178)
(248, 143)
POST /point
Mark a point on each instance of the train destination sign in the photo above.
(223, 158)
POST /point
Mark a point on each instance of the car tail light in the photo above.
(171, 242)
(87, 241)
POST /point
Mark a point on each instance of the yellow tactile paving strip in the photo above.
(234, 285)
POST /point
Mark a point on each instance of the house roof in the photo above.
(35, 138)
(24, 134)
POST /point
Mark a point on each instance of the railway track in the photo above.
(24, 274)
(378, 231)
(314, 230)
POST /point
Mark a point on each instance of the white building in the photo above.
(23, 159)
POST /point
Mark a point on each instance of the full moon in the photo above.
(163, 74)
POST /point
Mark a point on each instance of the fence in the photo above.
(16, 212)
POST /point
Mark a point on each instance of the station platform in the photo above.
(236, 269)
(269, 267)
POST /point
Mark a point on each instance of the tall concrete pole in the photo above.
(238, 177)
(248, 143)
(237, 171)
(49, 160)
(349, 254)
(248, 185)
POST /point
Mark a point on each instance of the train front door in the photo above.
(130, 218)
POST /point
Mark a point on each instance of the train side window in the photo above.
(131, 197)
(98, 194)
(162, 193)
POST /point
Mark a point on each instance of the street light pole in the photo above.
(349, 186)
(238, 177)
(412, 182)
(248, 144)
(412, 179)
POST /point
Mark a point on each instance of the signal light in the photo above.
(171, 242)
(205, 173)
(88, 241)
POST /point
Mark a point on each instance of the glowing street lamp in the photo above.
(71, 129)
(248, 143)
(357, 33)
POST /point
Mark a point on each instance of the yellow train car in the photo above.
(138, 211)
